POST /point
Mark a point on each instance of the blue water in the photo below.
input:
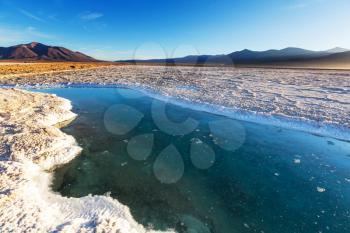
(206, 174)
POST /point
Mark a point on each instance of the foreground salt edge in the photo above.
(30, 144)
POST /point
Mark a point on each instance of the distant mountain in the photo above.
(337, 50)
(38, 51)
(248, 57)
(335, 58)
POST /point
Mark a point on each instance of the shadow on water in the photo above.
(275, 180)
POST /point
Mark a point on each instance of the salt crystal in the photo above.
(297, 161)
(123, 164)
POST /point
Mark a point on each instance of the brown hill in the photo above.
(38, 51)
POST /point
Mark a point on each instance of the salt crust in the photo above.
(30, 146)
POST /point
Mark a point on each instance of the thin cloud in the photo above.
(89, 16)
(9, 36)
(34, 32)
(298, 6)
(53, 18)
(305, 4)
(107, 53)
(31, 16)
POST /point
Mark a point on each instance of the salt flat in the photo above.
(321, 96)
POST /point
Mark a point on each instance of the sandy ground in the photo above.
(30, 145)
(15, 69)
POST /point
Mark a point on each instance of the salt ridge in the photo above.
(327, 129)
(30, 145)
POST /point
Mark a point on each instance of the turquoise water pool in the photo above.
(200, 172)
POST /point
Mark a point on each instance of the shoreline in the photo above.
(30, 146)
(299, 124)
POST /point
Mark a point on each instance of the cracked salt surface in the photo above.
(275, 96)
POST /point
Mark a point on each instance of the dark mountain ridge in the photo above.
(249, 57)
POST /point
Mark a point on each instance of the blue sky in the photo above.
(113, 29)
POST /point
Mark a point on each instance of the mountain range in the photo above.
(38, 51)
(287, 56)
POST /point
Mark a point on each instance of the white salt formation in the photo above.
(321, 97)
(30, 145)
